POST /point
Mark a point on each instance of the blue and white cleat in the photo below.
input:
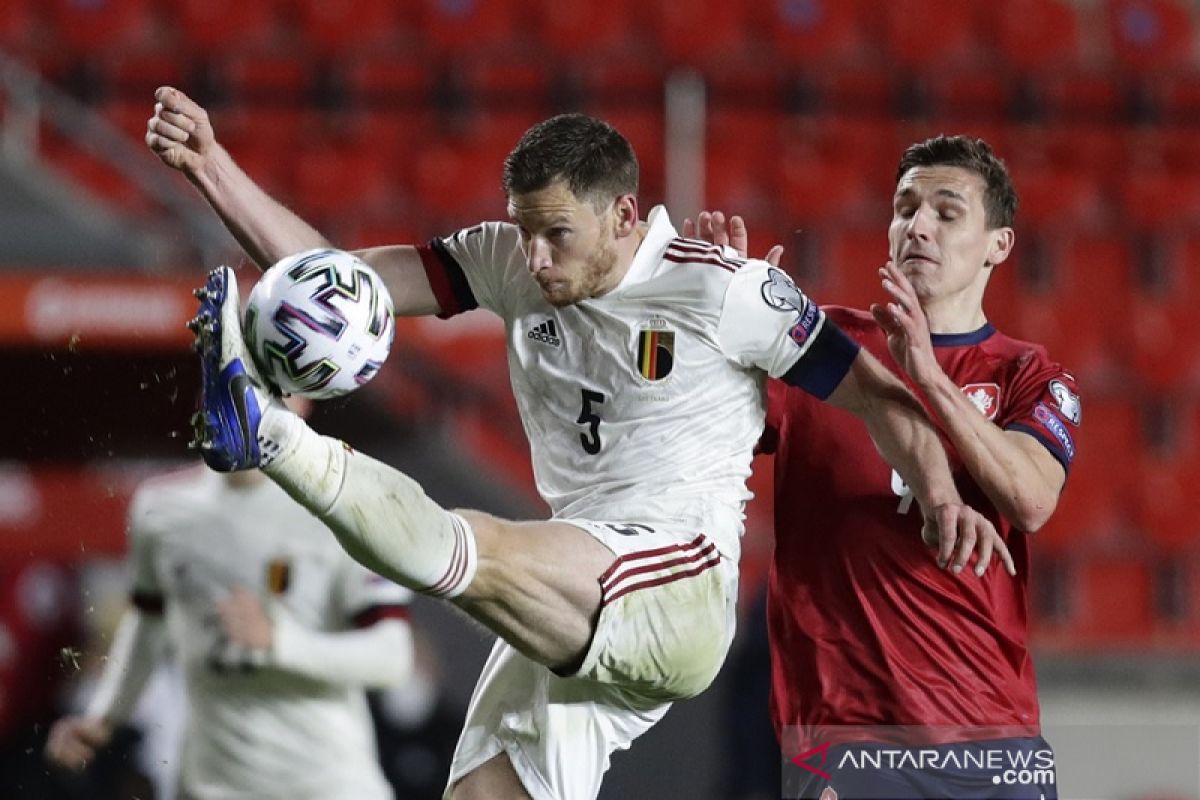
(233, 397)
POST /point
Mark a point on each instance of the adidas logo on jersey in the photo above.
(546, 333)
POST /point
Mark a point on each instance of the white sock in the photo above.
(381, 517)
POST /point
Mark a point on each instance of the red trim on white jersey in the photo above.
(458, 563)
(649, 568)
(688, 251)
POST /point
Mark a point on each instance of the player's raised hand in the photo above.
(958, 532)
(179, 132)
(715, 227)
(73, 741)
(904, 322)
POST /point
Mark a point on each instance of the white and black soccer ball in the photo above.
(319, 324)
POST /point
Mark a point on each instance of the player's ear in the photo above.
(1000, 244)
(625, 214)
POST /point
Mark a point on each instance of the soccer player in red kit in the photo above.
(874, 643)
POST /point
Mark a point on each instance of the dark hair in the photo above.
(595, 160)
(973, 155)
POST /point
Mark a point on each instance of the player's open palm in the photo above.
(73, 741)
(179, 132)
(959, 532)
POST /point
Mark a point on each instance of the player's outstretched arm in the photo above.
(135, 652)
(909, 441)
(181, 135)
(1016, 472)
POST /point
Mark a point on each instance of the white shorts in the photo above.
(667, 617)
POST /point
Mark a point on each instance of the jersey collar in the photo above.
(659, 233)
(962, 339)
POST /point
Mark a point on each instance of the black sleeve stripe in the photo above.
(825, 363)
(464, 298)
(1050, 444)
(151, 603)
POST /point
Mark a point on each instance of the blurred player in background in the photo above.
(278, 632)
(637, 359)
(871, 644)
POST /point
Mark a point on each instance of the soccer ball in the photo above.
(319, 324)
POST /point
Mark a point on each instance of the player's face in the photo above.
(939, 236)
(569, 244)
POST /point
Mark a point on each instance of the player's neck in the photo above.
(958, 314)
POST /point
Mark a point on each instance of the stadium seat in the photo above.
(709, 31)
(382, 84)
(741, 156)
(1158, 198)
(1097, 96)
(504, 82)
(1100, 501)
(907, 25)
(1150, 35)
(467, 26)
(816, 33)
(848, 272)
(1035, 35)
(285, 78)
(341, 181)
(1054, 197)
(1166, 488)
(18, 25)
(133, 75)
(570, 27)
(974, 95)
(1166, 340)
(342, 27)
(212, 27)
(95, 27)
(1177, 96)
(1114, 602)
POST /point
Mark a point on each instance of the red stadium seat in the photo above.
(93, 27)
(1100, 502)
(909, 23)
(849, 273)
(820, 33)
(1150, 35)
(17, 25)
(1158, 198)
(1055, 197)
(1084, 95)
(709, 31)
(507, 81)
(741, 155)
(1167, 500)
(335, 182)
(211, 27)
(381, 83)
(571, 27)
(972, 94)
(284, 78)
(1076, 334)
(134, 75)
(341, 27)
(1177, 95)
(1114, 602)
(1166, 329)
(473, 26)
(1034, 35)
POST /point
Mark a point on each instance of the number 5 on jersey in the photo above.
(588, 416)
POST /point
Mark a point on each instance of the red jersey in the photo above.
(865, 628)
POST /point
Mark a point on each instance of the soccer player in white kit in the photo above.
(277, 630)
(638, 361)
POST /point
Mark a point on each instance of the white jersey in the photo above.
(644, 404)
(263, 733)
